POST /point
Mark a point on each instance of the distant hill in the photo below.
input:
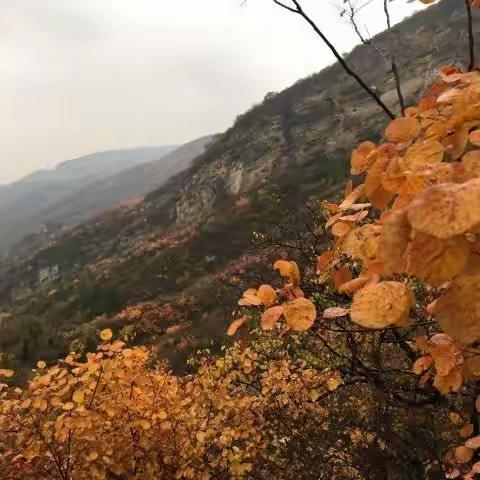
(133, 182)
(78, 189)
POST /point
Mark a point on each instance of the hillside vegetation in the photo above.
(146, 265)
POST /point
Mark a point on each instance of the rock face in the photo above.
(300, 138)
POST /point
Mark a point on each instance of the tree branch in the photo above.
(286, 7)
(471, 46)
(396, 74)
(387, 14)
(298, 10)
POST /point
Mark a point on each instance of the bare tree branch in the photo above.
(390, 63)
(396, 74)
(387, 14)
(293, 10)
(398, 86)
(299, 10)
(471, 47)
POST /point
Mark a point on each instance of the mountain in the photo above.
(158, 264)
(30, 195)
(79, 189)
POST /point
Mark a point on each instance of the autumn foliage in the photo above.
(411, 225)
(352, 357)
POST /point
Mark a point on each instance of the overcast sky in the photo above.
(80, 76)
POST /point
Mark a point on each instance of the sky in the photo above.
(82, 76)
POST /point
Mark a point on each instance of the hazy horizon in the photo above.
(79, 77)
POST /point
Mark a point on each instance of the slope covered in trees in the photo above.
(165, 256)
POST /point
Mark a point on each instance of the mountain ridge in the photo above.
(71, 193)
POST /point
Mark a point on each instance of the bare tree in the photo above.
(295, 7)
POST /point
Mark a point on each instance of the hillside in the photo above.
(22, 201)
(89, 198)
(164, 255)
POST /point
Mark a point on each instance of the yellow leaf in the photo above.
(78, 396)
(40, 404)
(455, 418)
(333, 383)
(382, 305)
(458, 309)
(446, 210)
(250, 298)
(41, 364)
(288, 270)
(92, 456)
(300, 314)
(267, 295)
(106, 334)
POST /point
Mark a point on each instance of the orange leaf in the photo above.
(448, 383)
(382, 305)
(474, 138)
(340, 229)
(358, 160)
(267, 295)
(289, 270)
(341, 276)
(422, 364)
(235, 325)
(466, 431)
(270, 317)
(324, 260)
(354, 285)
(402, 129)
(473, 443)
(335, 312)
(463, 454)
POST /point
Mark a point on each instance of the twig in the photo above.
(396, 74)
(387, 14)
(398, 86)
(96, 387)
(298, 10)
